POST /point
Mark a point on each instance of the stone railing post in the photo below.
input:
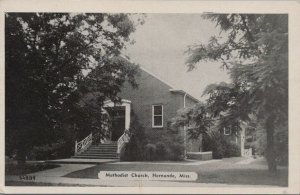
(75, 148)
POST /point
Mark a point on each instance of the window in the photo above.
(227, 131)
(157, 115)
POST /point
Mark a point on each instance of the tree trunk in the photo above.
(271, 155)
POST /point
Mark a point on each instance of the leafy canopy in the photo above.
(52, 60)
(255, 54)
(254, 51)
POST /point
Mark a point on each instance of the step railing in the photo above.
(247, 152)
(123, 140)
(83, 144)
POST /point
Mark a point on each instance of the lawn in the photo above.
(226, 171)
(13, 169)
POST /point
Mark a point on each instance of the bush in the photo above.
(161, 150)
(220, 147)
(176, 152)
(150, 152)
(156, 145)
(169, 146)
(134, 149)
(131, 151)
(47, 152)
(217, 151)
(231, 150)
(214, 143)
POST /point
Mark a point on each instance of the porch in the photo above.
(111, 146)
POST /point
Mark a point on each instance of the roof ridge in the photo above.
(159, 78)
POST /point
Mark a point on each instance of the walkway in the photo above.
(185, 163)
(81, 161)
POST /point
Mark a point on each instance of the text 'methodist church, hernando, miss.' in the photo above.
(155, 102)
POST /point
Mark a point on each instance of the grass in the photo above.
(13, 169)
(225, 171)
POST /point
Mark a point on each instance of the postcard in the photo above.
(150, 97)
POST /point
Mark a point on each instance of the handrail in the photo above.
(123, 140)
(83, 144)
(247, 152)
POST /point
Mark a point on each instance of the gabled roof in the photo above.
(157, 77)
(173, 89)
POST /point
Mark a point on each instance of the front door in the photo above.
(117, 115)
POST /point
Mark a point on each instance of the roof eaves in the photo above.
(184, 92)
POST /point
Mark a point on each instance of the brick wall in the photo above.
(151, 91)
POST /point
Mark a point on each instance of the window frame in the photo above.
(162, 116)
(225, 131)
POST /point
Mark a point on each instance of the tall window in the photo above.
(227, 131)
(157, 115)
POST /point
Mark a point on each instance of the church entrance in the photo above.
(120, 118)
(117, 115)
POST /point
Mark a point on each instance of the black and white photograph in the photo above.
(137, 99)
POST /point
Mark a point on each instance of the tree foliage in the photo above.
(52, 60)
(196, 117)
(254, 51)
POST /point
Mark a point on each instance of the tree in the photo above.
(255, 54)
(196, 117)
(51, 61)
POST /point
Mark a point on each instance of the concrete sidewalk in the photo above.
(185, 163)
(117, 161)
(81, 161)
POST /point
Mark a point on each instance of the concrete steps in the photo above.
(101, 151)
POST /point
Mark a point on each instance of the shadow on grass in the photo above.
(13, 169)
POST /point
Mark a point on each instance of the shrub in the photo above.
(217, 151)
(220, 147)
(176, 152)
(231, 150)
(213, 143)
(161, 151)
(156, 145)
(150, 152)
(47, 152)
(133, 150)
(169, 146)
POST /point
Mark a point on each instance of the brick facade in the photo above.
(152, 91)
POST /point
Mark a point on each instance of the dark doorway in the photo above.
(117, 115)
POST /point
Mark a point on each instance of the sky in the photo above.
(160, 45)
